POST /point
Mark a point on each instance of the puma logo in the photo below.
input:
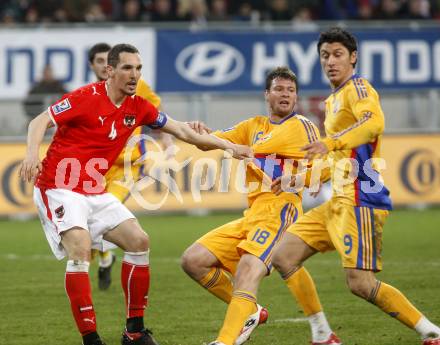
(92, 320)
(94, 91)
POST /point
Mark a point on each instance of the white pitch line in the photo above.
(171, 259)
(290, 320)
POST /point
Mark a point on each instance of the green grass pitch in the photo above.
(34, 308)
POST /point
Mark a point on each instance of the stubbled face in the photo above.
(127, 73)
(281, 97)
(336, 62)
(99, 66)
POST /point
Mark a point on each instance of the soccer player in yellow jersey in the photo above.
(242, 249)
(98, 64)
(352, 221)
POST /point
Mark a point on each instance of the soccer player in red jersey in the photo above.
(93, 124)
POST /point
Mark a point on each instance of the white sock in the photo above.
(137, 258)
(427, 329)
(321, 330)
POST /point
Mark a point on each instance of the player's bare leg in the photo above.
(250, 271)
(135, 279)
(204, 267)
(390, 300)
(287, 259)
(77, 244)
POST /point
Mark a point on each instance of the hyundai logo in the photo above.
(210, 63)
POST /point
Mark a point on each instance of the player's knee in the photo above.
(360, 282)
(80, 253)
(140, 243)
(282, 262)
(249, 273)
(279, 261)
(191, 263)
(359, 287)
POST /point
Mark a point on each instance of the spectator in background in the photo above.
(131, 11)
(43, 93)
(32, 16)
(8, 17)
(279, 10)
(365, 10)
(46, 9)
(387, 10)
(194, 11)
(219, 11)
(245, 12)
(418, 9)
(163, 11)
(303, 20)
(95, 13)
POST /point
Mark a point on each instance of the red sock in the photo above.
(80, 295)
(136, 283)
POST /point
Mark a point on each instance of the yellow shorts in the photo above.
(355, 232)
(256, 233)
(116, 173)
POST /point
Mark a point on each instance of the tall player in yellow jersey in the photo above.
(98, 64)
(352, 221)
(242, 249)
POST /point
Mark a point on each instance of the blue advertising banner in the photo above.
(238, 61)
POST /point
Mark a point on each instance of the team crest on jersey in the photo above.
(59, 211)
(264, 139)
(129, 120)
(61, 106)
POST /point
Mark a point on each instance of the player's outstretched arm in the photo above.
(31, 165)
(185, 133)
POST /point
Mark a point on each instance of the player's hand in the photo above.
(315, 150)
(277, 185)
(242, 151)
(29, 169)
(316, 193)
(199, 127)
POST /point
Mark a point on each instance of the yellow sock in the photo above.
(104, 255)
(94, 254)
(218, 282)
(303, 288)
(395, 304)
(243, 304)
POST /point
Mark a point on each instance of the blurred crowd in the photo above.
(203, 11)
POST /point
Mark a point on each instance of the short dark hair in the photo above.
(113, 54)
(282, 72)
(98, 48)
(339, 35)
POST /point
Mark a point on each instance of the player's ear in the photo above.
(110, 70)
(266, 94)
(353, 57)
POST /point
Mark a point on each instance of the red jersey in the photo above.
(91, 132)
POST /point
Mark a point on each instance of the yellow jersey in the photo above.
(276, 146)
(354, 123)
(143, 90)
